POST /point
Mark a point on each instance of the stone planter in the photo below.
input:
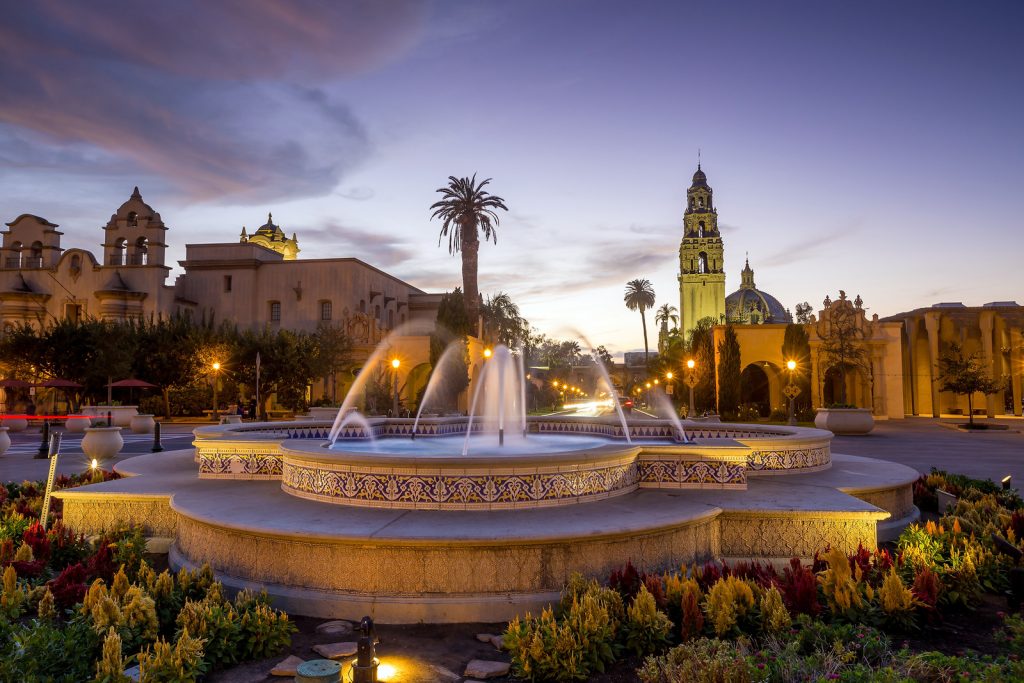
(120, 416)
(142, 423)
(76, 424)
(845, 421)
(16, 424)
(102, 443)
(231, 420)
(323, 413)
(5, 441)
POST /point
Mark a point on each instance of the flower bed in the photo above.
(832, 619)
(75, 609)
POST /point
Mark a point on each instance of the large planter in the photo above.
(76, 424)
(142, 423)
(102, 443)
(120, 416)
(5, 441)
(324, 413)
(845, 421)
(16, 424)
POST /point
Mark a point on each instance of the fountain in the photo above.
(484, 516)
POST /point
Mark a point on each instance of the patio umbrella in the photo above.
(58, 383)
(15, 384)
(131, 384)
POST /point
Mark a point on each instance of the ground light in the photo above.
(1006, 482)
(487, 353)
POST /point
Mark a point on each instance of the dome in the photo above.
(748, 304)
(699, 179)
(269, 230)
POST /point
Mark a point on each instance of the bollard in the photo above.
(110, 419)
(156, 439)
(318, 671)
(364, 669)
(44, 444)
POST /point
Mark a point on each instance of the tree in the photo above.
(606, 358)
(701, 348)
(796, 346)
(729, 373)
(503, 321)
(965, 375)
(640, 297)
(171, 360)
(466, 210)
(331, 354)
(666, 314)
(803, 313)
(451, 326)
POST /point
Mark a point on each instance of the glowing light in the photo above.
(386, 672)
(216, 365)
(668, 375)
(395, 363)
(690, 364)
(487, 353)
(791, 364)
(655, 381)
(648, 385)
(94, 464)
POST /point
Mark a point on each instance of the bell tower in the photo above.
(701, 257)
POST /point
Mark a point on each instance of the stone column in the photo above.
(1016, 367)
(910, 367)
(986, 322)
(931, 324)
(878, 398)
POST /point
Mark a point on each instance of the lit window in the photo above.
(325, 310)
(275, 311)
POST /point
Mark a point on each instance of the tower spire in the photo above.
(698, 158)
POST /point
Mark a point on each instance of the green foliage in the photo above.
(729, 372)
(264, 631)
(796, 346)
(701, 347)
(704, 660)
(452, 326)
(45, 651)
(182, 663)
(503, 322)
(639, 296)
(217, 623)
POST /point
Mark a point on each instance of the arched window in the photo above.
(700, 202)
(700, 229)
(36, 259)
(15, 261)
(120, 255)
(76, 263)
(141, 255)
(133, 219)
(702, 263)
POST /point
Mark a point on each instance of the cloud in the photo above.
(807, 248)
(214, 98)
(358, 194)
(376, 248)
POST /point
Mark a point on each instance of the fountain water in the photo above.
(436, 376)
(668, 411)
(502, 389)
(608, 381)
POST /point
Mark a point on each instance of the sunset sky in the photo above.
(874, 147)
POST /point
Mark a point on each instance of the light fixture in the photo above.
(365, 668)
(487, 353)
(1006, 482)
(395, 363)
(690, 364)
(791, 364)
(94, 464)
(216, 365)
(668, 375)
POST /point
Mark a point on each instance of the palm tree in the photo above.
(666, 314)
(466, 210)
(640, 296)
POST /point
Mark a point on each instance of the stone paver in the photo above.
(287, 667)
(336, 650)
(923, 443)
(479, 668)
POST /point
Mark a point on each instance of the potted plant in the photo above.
(102, 442)
(77, 423)
(842, 331)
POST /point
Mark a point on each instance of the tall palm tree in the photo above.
(467, 209)
(640, 297)
(666, 314)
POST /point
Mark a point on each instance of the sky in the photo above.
(873, 147)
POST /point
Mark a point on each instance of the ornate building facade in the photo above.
(256, 282)
(701, 257)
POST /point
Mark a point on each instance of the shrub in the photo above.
(728, 601)
(800, 589)
(43, 651)
(838, 584)
(110, 667)
(13, 598)
(774, 617)
(705, 660)
(646, 629)
(217, 624)
(897, 601)
(181, 664)
(264, 631)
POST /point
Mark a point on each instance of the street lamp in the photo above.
(691, 380)
(487, 353)
(395, 363)
(216, 372)
(791, 391)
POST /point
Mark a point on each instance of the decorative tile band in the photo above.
(778, 460)
(214, 464)
(461, 491)
(671, 473)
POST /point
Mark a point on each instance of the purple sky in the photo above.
(875, 147)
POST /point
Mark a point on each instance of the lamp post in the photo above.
(395, 364)
(791, 391)
(216, 376)
(691, 381)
